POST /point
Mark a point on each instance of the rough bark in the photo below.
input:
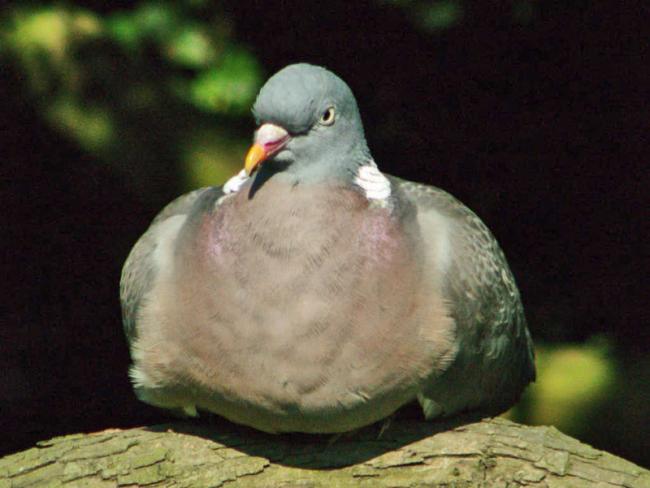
(489, 453)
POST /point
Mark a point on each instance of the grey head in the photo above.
(308, 126)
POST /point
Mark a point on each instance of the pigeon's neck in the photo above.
(330, 167)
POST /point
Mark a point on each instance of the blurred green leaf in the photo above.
(231, 86)
(209, 158)
(92, 127)
(191, 47)
(124, 29)
(40, 40)
(439, 15)
(156, 19)
(39, 29)
(573, 381)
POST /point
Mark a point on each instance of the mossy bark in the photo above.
(489, 453)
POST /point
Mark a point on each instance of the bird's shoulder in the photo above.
(474, 264)
(477, 280)
(428, 198)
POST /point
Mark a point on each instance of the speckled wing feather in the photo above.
(495, 360)
(139, 270)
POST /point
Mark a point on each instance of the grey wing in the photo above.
(139, 271)
(495, 355)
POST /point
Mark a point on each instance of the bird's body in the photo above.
(298, 301)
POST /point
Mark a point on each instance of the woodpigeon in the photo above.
(314, 293)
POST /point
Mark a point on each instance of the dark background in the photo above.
(534, 114)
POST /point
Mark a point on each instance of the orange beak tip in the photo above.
(256, 154)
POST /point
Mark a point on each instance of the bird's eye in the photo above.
(327, 118)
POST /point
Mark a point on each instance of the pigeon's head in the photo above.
(308, 124)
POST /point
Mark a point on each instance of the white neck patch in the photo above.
(373, 182)
(235, 183)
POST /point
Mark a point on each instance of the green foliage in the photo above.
(140, 88)
(439, 15)
(573, 384)
(231, 87)
(432, 16)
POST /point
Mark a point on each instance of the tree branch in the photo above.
(489, 453)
